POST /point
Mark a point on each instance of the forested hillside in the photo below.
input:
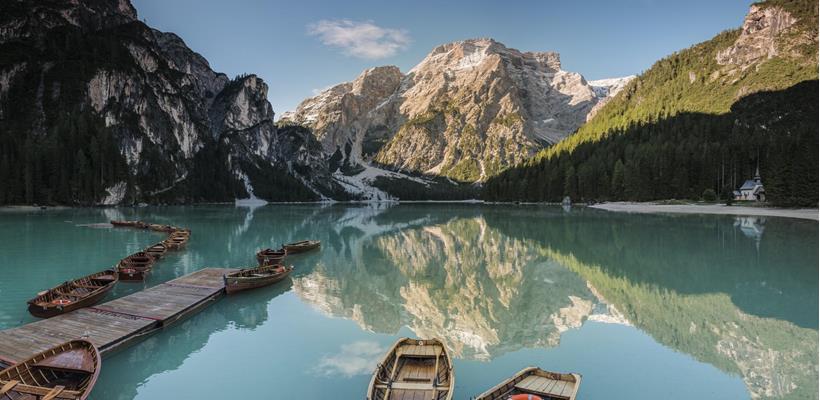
(703, 118)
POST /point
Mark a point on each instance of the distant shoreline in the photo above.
(645, 208)
(626, 207)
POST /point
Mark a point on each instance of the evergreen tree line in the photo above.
(683, 156)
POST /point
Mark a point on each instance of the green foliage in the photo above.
(709, 195)
(679, 156)
(681, 135)
(466, 170)
(438, 189)
(692, 81)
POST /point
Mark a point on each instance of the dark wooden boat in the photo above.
(68, 371)
(124, 223)
(535, 384)
(301, 247)
(270, 256)
(252, 278)
(135, 267)
(141, 225)
(413, 369)
(72, 295)
(175, 242)
(161, 228)
(156, 251)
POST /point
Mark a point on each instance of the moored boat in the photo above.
(161, 228)
(135, 267)
(71, 295)
(270, 256)
(123, 223)
(302, 246)
(413, 368)
(533, 383)
(156, 251)
(252, 278)
(67, 371)
(175, 242)
(141, 225)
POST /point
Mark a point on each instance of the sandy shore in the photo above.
(802, 213)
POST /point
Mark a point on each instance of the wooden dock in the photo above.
(118, 322)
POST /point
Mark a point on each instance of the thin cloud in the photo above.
(357, 358)
(362, 39)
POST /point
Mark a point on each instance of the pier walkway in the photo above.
(118, 322)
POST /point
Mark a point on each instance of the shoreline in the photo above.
(654, 208)
(625, 207)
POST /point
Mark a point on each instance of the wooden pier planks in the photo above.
(116, 322)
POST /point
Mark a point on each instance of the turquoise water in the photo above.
(643, 306)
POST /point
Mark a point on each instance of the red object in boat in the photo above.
(524, 396)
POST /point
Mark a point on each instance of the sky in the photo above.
(302, 47)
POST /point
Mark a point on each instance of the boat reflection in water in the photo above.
(487, 284)
(729, 302)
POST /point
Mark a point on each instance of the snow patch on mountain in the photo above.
(610, 86)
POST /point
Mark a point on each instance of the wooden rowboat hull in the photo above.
(534, 381)
(123, 223)
(270, 257)
(238, 284)
(134, 276)
(41, 308)
(67, 371)
(414, 368)
(52, 311)
(301, 247)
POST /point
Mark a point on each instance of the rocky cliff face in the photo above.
(469, 109)
(178, 131)
(758, 36)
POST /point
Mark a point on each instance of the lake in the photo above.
(643, 306)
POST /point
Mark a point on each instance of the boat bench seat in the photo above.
(414, 386)
(545, 386)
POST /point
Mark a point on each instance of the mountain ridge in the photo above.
(467, 110)
(702, 118)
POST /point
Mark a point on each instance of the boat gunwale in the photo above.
(392, 351)
(528, 371)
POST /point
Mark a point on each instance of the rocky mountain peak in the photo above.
(467, 110)
(26, 18)
(378, 81)
(758, 36)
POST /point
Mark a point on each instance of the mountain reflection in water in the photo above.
(501, 285)
(490, 281)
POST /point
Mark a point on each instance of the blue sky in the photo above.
(301, 47)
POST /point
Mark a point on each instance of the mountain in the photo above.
(701, 119)
(98, 108)
(465, 112)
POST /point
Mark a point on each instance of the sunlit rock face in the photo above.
(480, 291)
(758, 40)
(466, 111)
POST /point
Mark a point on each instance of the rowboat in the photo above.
(252, 278)
(161, 228)
(301, 247)
(175, 242)
(141, 225)
(68, 371)
(535, 384)
(135, 267)
(123, 223)
(72, 295)
(156, 251)
(270, 256)
(413, 368)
